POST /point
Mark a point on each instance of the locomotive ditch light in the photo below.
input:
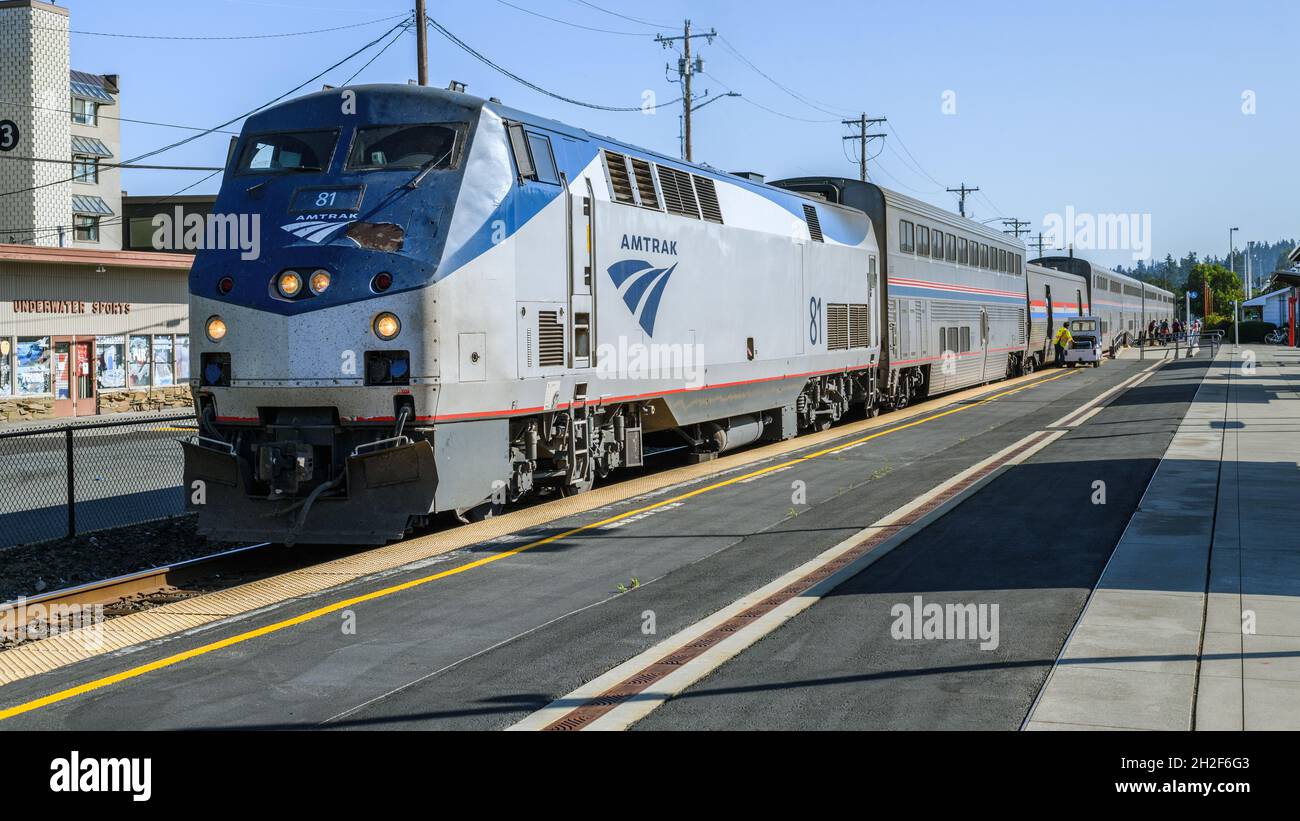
(387, 326)
(289, 284)
(216, 328)
(320, 280)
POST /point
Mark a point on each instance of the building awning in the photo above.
(89, 86)
(90, 205)
(90, 91)
(89, 146)
(1258, 302)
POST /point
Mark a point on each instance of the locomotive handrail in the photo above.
(207, 442)
(385, 443)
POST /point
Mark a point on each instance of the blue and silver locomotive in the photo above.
(455, 304)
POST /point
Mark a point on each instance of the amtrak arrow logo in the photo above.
(645, 286)
(315, 230)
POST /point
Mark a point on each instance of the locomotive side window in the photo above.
(403, 147)
(296, 151)
(905, 230)
(938, 245)
(923, 240)
(961, 250)
(543, 159)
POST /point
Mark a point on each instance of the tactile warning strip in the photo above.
(36, 657)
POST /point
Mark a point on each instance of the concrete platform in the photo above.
(1195, 621)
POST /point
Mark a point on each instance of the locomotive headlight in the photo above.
(289, 284)
(320, 280)
(216, 328)
(387, 326)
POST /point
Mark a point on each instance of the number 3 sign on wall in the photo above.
(8, 135)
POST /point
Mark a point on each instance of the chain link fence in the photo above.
(78, 478)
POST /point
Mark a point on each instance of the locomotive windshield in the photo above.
(429, 147)
(296, 151)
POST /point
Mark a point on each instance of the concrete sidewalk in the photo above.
(1195, 622)
(90, 421)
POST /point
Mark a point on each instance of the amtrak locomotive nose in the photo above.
(314, 354)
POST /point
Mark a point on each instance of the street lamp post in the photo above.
(1231, 250)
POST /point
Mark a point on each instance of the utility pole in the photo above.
(963, 191)
(685, 71)
(863, 138)
(1018, 227)
(421, 45)
(1039, 243)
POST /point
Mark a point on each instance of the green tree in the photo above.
(1225, 286)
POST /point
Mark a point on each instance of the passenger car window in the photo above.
(403, 147)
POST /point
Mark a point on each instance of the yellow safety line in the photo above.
(134, 672)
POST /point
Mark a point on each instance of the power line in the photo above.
(714, 78)
(104, 116)
(129, 166)
(808, 101)
(568, 23)
(225, 37)
(470, 50)
(881, 167)
(52, 230)
(216, 128)
(914, 162)
(405, 28)
(623, 16)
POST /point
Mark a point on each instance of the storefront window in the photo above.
(138, 362)
(6, 367)
(162, 361)
(110, 362)
(33, 365)
(182, 359)
(62, 370)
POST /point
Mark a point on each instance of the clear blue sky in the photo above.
(1106, 107)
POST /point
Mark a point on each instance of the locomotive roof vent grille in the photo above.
(645, 184)
(708, 194)
(550, 339)
(814, 222)
(679, 194)
(616, 165)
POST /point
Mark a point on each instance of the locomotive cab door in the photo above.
(582, 267)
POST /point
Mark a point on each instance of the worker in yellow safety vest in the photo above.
(1063, 341)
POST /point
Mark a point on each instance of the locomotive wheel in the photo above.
(577, 488)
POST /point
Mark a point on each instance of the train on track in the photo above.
(457, 304)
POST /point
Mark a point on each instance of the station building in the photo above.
(92, 319)
(85, 331)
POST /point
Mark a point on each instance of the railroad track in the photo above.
(135, 591)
